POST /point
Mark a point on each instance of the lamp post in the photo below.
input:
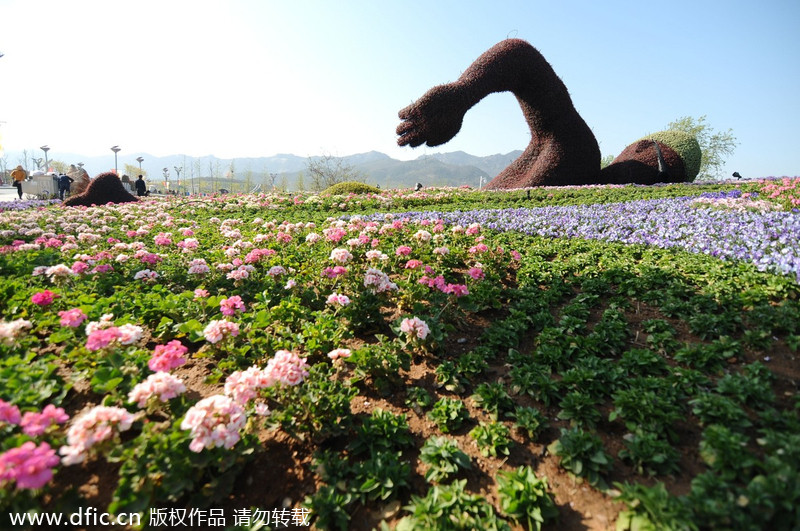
(139, 160)
(178, 170)
(45, 148)
(115, 149)
(166, 178)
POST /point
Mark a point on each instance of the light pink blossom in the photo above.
(34, 423)
(414, 328)
(99, 424)
(161, 385)
(9, 413)
(335, 354)
(231, 305)
(218, 330)
(214, 421)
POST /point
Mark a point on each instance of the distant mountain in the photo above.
(438, 169)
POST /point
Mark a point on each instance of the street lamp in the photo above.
(45, 148)
(139, 160)
(166, 178)
(178, 170)
(115, 149)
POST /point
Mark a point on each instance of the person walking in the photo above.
(64, 181)
(141, 187)
(19, 175)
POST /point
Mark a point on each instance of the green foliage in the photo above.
(494, 398)
(381, 431)
(448, 414)
(443, 457)
(451, 508)
(582, 453)
(492, 438)
(531, 420)
(650, 454)
(350, 187)
(652, 509)
(524, 498)
(685, 145)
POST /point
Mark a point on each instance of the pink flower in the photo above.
(516, 256)
(231, 305)
(441, 251)
(377, 281)
(257, 255)
(335, 299)
(161, 385)
(333, 272)
(102, 338)
(34, 423)
(473, 229)
(29, 465)
(341, 255)
(163, 239)
(277, 270)
(214, 421)
(403, 250)
(201, 293)
(480, 248)
(339, 353)
(72, 318)
(218, 330)
(476, 273)
(80, 267)
(333, 234)
(44, 298)
(414, 328)
(11, 331)
(167, 357)
(413, 264)
(243, 386)
(459, 290)
(287, 368)
(198, 266)
(9, 413)
(97, 425)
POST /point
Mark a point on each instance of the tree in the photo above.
(327, 170)
(715, 146)
(133, 171)
(301, 183)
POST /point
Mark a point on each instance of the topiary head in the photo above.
(351, 187)
(685, 145)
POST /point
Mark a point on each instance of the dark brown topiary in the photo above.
(638, 163)
(105, 188)
(562, 150)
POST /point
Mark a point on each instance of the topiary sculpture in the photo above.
(562, 150)
(350, 187)
(105, 188)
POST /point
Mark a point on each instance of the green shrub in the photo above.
(350, 187)
(685, 145)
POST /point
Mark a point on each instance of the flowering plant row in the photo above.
(184, 343)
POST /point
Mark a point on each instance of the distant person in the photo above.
(64, 181)
(141, 187)
(19, 175)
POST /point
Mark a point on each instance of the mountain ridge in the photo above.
(433, 169)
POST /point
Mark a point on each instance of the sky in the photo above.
(252, 78)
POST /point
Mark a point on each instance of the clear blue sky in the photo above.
(257, 78)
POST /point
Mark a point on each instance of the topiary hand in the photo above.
(433, 119)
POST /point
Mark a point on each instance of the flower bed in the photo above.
(627, 355)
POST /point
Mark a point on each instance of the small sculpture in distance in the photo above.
(105, 188)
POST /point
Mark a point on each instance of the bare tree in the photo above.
(327, 170)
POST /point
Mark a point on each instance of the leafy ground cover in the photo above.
(562, 358)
